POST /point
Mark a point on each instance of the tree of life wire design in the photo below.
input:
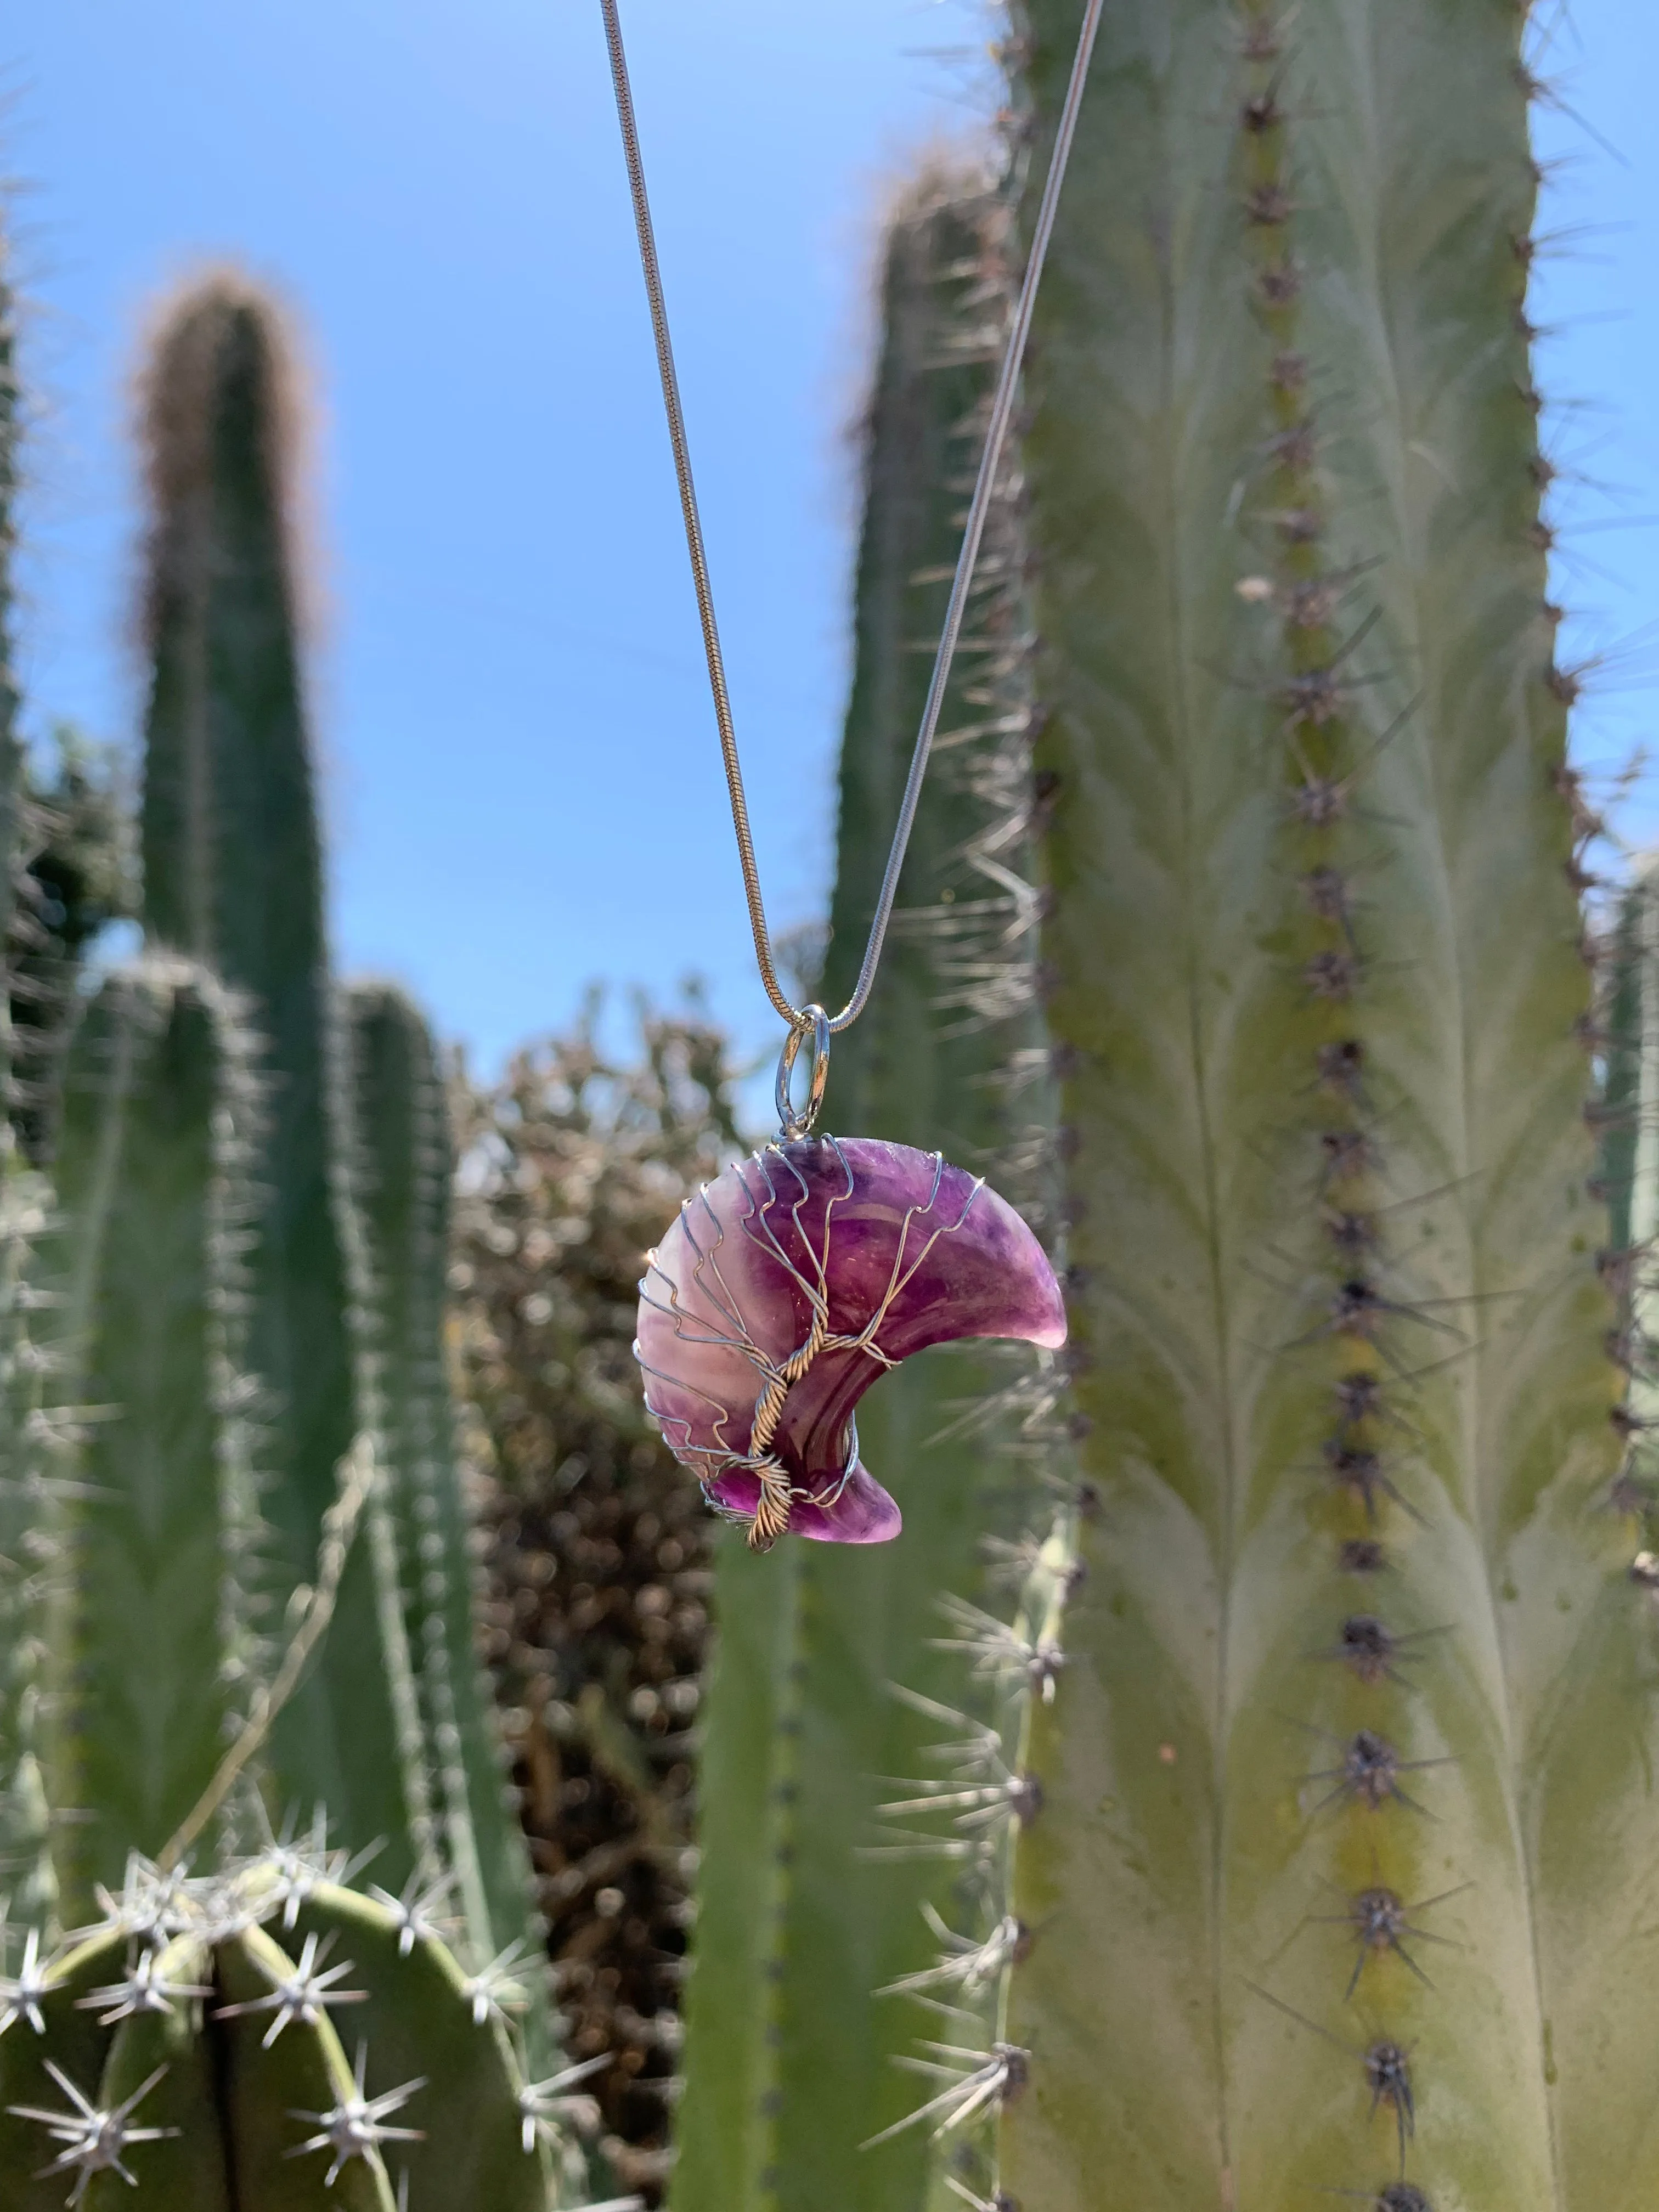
(811, 1278)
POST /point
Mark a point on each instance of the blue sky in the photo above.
(521, 777)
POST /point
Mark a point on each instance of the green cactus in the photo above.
(402, 1168)
(390, 1731)
(232, 861)
(265, 2040)
(1629, 1172)
(232, 877)
(154, 1175)
(158, 1666)
(810, 1908)
(1331, 1692)
(230, 1202)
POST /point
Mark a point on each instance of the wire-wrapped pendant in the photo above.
(793, 1280)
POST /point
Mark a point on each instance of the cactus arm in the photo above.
(402, 1170)
(789, 2047)
(379, 1197)
(1593, 1715)
(153, 1172)
(1630, 1040)
(12, 781)
(1279, 339)
(11, 756)
(232, 864)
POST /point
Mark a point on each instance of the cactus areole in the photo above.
(788, 1285)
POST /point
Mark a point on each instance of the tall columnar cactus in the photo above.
(345, 1262)
(1629, 1031)
(232, 876)
(811, 1907)
(232, 862)
(1336, 1692)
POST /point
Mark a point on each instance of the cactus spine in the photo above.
(809, 1905)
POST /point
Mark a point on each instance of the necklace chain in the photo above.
(1002, 407)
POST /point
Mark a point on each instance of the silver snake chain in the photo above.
(802, 1021)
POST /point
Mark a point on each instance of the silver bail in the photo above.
(793, 1123)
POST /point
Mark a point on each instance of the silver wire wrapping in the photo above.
(787, 1286)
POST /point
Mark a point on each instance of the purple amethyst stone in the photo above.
(788, 1285)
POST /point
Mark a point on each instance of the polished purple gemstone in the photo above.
(788, 1285)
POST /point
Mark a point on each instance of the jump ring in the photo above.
(793, 1123)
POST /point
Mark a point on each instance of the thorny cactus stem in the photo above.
(810, 1903)
(232, 876)
(227, 1202)
(1338, 1696)
(402, 1168)
(154, 1633)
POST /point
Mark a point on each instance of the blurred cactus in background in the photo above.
(237, 1596)
(153, 1178)
(232, 877)
(830, 1683)
(345, 1250)
(32, 1445)
(600, 1549)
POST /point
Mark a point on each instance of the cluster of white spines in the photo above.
(155, 1907)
